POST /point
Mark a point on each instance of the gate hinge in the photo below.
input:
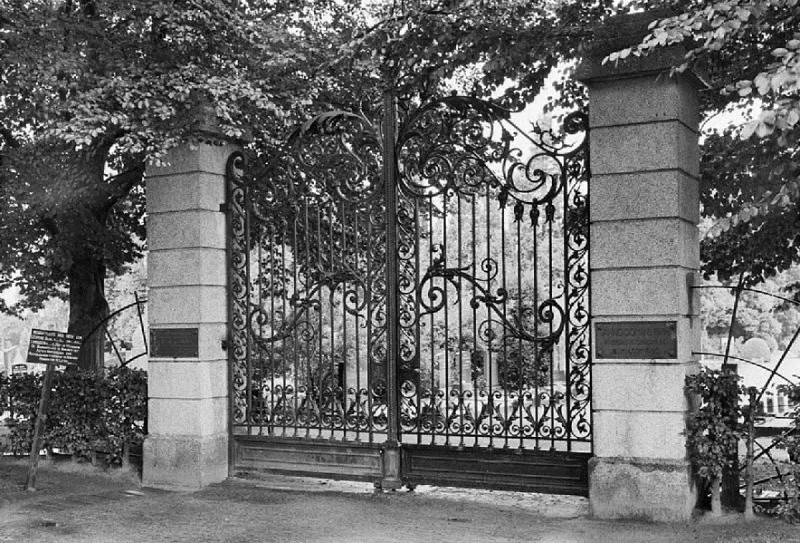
(223, 208)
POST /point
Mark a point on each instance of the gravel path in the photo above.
(77, 503)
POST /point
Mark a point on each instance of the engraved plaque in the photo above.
(636, 339)
(174, 343)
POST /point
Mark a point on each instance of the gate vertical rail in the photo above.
(391, 458)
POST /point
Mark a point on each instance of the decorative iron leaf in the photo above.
(502, 197)
(519, 210)
(550, 211)
(534, 214)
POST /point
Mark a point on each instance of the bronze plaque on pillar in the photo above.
(636, 339)
(174, 343)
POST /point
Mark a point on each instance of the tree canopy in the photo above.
(748, 51)
(93, 90)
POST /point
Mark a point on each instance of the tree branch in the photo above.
(120, 185)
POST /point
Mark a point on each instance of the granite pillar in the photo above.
(644, 209)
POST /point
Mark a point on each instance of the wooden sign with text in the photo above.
(50, 347)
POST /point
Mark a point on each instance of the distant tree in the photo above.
(52, 315)
(124, 328)
(757, 315)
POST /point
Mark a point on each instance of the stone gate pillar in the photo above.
(187, 442)
(644, 212)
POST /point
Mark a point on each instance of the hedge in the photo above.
(89, 413)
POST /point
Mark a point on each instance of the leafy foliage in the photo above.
(503, 49)
(88, 412)
(746, 49)
(91, 91)
(749, 51)
(712, 429)
(762, 35)
(756, 228)
(524, 366)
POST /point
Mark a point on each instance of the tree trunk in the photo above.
(716, 502)
(87, 309)
(126, 455)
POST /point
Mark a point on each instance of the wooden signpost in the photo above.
(51, 348)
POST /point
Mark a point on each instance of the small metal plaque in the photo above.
(50, 347)
(636, 339)
(174, 343)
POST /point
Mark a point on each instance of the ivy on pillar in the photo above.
(644, 211)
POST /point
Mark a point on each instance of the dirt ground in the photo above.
(78, 503)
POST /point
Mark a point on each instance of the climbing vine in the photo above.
(713, 433)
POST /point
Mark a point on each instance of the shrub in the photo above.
(88, 412)
(713, 434)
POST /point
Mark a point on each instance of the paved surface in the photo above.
(78, 503)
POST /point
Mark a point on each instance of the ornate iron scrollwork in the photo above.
(492, 280)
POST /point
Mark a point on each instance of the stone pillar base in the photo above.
(184, 463)
(644, 489)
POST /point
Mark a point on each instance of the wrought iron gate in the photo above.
(460, 355)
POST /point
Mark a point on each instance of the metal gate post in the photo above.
(391, 451)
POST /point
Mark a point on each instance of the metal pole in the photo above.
(41, 420)
(748, 477)
(141, 320)
(391, 452)
(733, 317)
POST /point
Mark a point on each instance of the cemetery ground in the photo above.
(80, 503)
